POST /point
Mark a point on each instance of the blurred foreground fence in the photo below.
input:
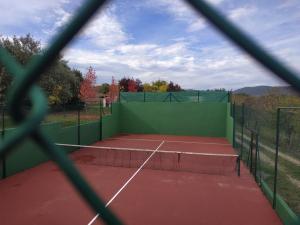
(25, 78)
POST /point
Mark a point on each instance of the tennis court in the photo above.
(145, 179)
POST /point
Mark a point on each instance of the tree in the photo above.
(147, 87)
(104, 89)
(132, 87)
(139, 85)
(123, 84)
(22, 48)
(87, 85)
(173, 87)
(113, 91)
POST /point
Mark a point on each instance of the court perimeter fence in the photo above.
(268, 143)
(180, 96)
(191, 119)
(25, 78)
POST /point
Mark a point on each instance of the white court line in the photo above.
(149, 150)
(183, 142)
(127, 182)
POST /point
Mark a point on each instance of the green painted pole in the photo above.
(251, 152)
(170, 96)
(100, 119)
(243, 124)
(276, 157)
(256, 156)
(198, 96)
(78, 124)
(144, 96)
(2, 136)
(234, 117)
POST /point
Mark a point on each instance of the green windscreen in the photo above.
(180, 96)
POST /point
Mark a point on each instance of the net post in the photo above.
(198, 93)
(276, 157)
(239, 166)
(144, 96)
(78, 123)
(170, 94)
(119, 97)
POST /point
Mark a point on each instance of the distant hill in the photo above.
(264, 90)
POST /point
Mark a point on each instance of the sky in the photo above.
(164, 39)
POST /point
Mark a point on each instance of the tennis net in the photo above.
(205, 163)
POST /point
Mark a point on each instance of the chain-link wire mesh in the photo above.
(288, 175)
(255, 117)
(180, 96)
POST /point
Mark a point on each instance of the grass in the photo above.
(288, 182)
(66, 118)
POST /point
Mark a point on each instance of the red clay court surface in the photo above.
(42, 195)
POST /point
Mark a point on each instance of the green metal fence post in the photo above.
(256, 156)
(100, 119)
(234, 117)
(3, 121)
(170, 96)
(78, 124)
(144, 96)
(242, 134)
(276, 157)
(2, 137)
(198, 96)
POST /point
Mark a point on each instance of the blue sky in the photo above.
(164, 39)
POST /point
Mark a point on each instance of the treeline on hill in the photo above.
(260, 114)
(60, 82)
(135, 85)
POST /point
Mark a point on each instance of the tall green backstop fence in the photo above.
(180, 96)
(26, 77)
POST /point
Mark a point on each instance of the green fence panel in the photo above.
(179, 96)
(89, 133)
(229, 124)
(284, 212)
(68, 135)
(111, 123)
(28, 154)
(205, 119)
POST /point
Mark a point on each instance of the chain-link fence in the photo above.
(26, 77)
(261, 133)
(180, 96)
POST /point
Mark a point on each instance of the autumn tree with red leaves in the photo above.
(132, 86)
(113, 91)
(87, 89)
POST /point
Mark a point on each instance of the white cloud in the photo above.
(105, 30)
(241, 12)
(16, 12)
(181, 11)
